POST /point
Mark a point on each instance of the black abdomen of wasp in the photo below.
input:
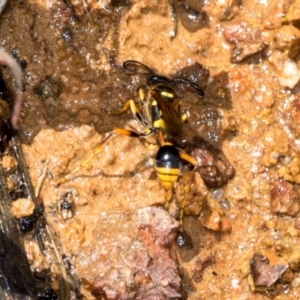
(168, 165)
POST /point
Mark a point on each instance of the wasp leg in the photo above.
(97, 149)
(141, 93)
(186, 192)
(160, 137)
(85, 162)
(183, 240)
(191, 160)
(131, 105)
(188, 158)
(125, 107)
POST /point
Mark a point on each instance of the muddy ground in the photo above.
(119, 238)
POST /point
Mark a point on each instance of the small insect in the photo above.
(66, 203)
(161, 115)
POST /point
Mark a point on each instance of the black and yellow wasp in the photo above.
(161, 115)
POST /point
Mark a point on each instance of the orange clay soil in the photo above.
(246, 233)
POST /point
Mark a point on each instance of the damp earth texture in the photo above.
(114, 221)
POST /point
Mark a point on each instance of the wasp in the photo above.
(161, 115)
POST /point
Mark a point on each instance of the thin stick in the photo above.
(41, 179)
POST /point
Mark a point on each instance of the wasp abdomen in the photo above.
(168, 165)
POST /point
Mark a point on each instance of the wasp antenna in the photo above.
(134, 67)
(196, 87)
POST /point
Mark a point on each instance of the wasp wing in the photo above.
(170, 112)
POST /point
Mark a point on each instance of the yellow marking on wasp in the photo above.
(167, 184)
(148, 131)
(133, 107)
(161, 124)
(141, 95)
(167, 176)
(184, 117)
(168, 171)
(167, 95)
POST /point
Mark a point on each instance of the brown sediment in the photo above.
(244, 55)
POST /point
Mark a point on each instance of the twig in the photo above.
(41, 179)
(7, 60)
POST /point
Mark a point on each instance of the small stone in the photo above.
(215, 221)
(9, 164)
(294, 261)
(295, 282)
(266, 269)
(284, 198)
(22, 208)
(287, 276)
